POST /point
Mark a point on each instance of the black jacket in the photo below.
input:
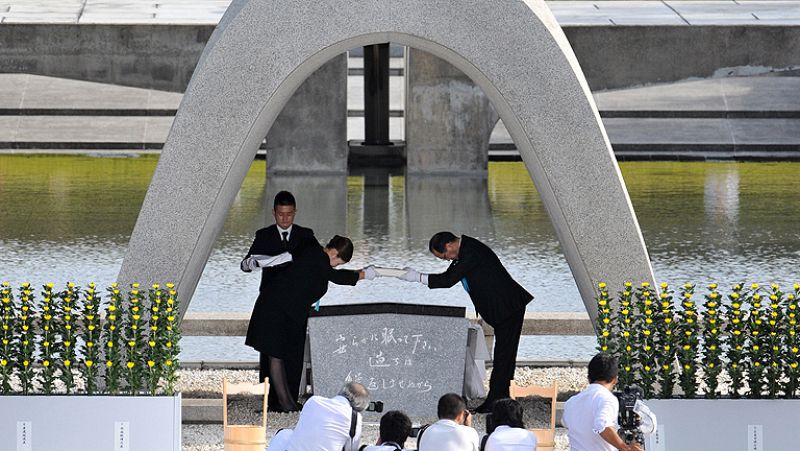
(306, 279)
(268, 242)
(494, 293)
(291, 292)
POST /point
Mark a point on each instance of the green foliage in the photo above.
(736, 337)
(646, 338)
(66, 336)
(662, 338)
(712, 341)
(665, 341)
(24, 338)
(7, 342)
(47, 339)
(688, 342)
(113, 340)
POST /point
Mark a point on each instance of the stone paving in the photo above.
(675, 12)
(719, 117)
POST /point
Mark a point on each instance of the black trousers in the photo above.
(506, 344)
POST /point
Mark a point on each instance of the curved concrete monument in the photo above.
(262, 50)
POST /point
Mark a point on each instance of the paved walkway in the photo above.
(739, 117)
(676, 12)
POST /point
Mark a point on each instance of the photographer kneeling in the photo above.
(326, 424)
(507, 431)
(591, 416)
(453, 431)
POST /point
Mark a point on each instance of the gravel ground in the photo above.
(196, 383)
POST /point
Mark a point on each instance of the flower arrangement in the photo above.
(64, 338)
(747, 337)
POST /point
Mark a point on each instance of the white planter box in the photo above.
(89, 423)
(725, 424)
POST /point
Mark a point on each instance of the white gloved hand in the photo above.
(370, 273)
(249, 264)
(412, 275)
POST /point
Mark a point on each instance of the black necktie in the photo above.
(285, 240)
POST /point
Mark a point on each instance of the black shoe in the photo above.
(486, 407)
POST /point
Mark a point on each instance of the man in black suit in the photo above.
(283, 237)
(498, 298)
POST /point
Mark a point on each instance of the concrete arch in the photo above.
(261, 52)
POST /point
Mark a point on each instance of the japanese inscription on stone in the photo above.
(401, 359)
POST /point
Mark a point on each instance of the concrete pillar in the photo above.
(310, 134)
(321, 201)
(448, 118)
(459, 204)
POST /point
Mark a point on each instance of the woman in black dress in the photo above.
(280, 318)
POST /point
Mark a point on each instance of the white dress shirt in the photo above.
(587, 414)
(280, 442)
(505, 438)
(384, 448)
(324, 425)
(447, 435)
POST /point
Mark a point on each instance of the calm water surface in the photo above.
(70, 217)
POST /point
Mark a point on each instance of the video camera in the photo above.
(629, 421)
(375, 406)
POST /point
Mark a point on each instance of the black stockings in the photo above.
(280, 385)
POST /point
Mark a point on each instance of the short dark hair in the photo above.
(603, 367)
(438, 241)
(508, 412)
(450, 406)
(343, 246)
(284, 198)
(395, 427)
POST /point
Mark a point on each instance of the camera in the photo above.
(629, 421)
(375, 406)
(416, 431)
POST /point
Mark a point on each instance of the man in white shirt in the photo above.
(591, 416)
(394, 431)
(509, 433)
(453, 431)
(326, 424)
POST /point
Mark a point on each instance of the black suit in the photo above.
(498, 298)
(280, 316)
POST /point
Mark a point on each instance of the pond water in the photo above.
(69, 218)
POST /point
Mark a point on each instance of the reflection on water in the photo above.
(69, 218)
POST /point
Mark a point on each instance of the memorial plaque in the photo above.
(406, 355)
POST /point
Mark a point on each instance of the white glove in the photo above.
(248, 264)
(412, 275)
(370, 273)
(268, 261)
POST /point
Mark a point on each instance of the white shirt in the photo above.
(505, 438)
(324, 425)
(447, 435)
(587, 414)
(383, 448)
